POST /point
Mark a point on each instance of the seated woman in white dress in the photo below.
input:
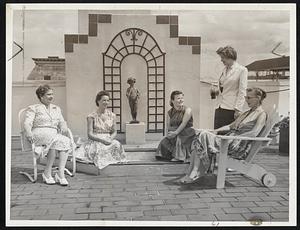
(101, 147)
(44, 126)
(206, 144)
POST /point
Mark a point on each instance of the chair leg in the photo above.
(74, 162)
(34, 168)
(28, 176)
(74, 167)
(35, 174)
(68, 172)
(222, 164)
(253, 172)
(259, 174)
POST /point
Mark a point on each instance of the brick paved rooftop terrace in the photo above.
(146, 192)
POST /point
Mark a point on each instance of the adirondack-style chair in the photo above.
(31, 147)
(248, 169)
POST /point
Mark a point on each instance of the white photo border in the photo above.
(164, 7)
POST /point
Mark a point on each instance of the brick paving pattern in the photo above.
(146, 192)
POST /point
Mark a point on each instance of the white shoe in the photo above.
(61, 181)
(49, 180)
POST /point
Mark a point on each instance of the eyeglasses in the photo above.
(247, 97)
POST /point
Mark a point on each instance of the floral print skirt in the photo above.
(206, 145)
(100, 154)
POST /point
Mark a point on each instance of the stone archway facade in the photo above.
(137, 41)
(94, 59)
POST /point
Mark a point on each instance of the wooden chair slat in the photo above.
(245, 167)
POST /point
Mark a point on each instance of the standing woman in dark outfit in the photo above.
(232, 88)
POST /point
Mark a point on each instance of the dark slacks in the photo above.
(223, 117)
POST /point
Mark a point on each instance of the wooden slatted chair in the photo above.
(28, 147)
(248, 169)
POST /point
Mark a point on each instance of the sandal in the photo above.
(190, 180)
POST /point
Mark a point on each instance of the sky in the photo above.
(252, 33)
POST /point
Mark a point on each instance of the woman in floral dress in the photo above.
(44, 126)
(101, 147)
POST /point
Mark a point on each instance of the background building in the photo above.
(51, 68)
(273, 68)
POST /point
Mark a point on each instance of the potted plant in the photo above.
(284, 135)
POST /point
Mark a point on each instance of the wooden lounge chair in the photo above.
(28, 147)
(248, 169)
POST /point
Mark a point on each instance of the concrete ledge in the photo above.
(35, 83)
(147, 147)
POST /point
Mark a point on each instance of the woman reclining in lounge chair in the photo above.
(206, 144)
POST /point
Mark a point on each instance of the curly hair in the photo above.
(42, 90)
(227, 52)
(100, 95)
(259, 92)
(173, 94)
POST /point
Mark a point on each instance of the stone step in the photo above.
(147, 147)
(134, 158)
(150, 146)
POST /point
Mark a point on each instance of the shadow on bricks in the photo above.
(204, 182)
(17, 178)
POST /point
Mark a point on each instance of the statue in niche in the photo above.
(133, 96)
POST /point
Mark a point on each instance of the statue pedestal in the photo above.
(135, 133)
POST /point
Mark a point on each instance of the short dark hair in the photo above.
(259, 92)
(100, 95)
(173, 94)
(227, 52)
(42, 90)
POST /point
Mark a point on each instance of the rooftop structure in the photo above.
(273, 68)
(51, 68)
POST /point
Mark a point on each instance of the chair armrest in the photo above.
(244, 138)
(70, 134)
(197, 131)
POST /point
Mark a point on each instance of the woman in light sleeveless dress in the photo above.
(101, 148)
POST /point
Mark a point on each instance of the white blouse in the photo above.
(234, 83)
(38, 116)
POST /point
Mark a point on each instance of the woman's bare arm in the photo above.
(114, 133)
